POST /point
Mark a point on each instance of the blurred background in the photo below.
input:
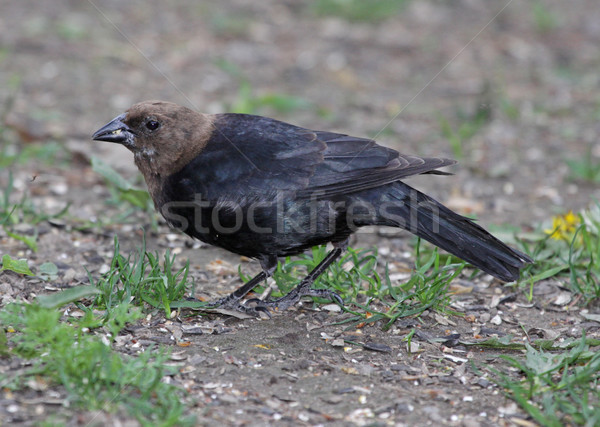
(508, 88)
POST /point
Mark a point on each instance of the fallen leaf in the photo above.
(563, 298)
(591, 316)
(349, 370)
(460, 289)
(263, 346)
(443, 320)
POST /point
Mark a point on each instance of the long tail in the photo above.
(432, 221)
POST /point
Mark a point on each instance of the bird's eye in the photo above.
(152, 124)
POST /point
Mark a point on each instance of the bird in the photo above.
(267, 189)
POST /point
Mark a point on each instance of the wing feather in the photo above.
(258, 155)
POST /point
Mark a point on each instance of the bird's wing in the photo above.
(258, 155)
(250, 155)
(353, 164)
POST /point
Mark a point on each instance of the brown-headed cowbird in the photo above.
(267, 189)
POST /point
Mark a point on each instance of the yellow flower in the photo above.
(564, 226)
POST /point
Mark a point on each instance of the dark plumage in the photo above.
(267, 189)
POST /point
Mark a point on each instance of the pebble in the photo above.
(333, 308)
(69, 275)
(105, 268)
(59, 188)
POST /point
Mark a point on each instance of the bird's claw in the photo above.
(252, 310)
(255, 306)
(234, 304)
(338, 299)
(255, 309)
(293, 297)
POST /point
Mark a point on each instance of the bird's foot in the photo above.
(231, 302)
(228, 302)
(293, 297)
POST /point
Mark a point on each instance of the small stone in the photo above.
(60, 188)
(69, 275)
(104, 268)
(333, 308)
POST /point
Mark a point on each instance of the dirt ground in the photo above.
(68, 67)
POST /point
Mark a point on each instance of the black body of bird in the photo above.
(267, 189)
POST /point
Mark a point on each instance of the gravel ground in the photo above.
(532, 68)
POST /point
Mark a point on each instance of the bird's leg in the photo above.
(304, 287)
(232, 301)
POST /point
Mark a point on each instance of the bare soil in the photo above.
(68, 67)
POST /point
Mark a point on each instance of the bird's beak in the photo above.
(115, 131)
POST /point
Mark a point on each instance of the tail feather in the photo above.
(456, 234)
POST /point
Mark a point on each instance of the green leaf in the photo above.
(504, 342)
(4, 350)
(19, 266)
(138, 198)
(548, 273)
(135, 196)
(68, 295)
(110, 174)
(283, 103)
(190, 304)
(48, 271)
(541, 362)
(30, 241)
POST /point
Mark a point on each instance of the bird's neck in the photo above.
(152, 176)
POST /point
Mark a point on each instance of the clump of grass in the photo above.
(24, 210)
(93, 376)
(48, 152)
(469, 127)
(355, 278)
(13, 151)
(140, 278)
(247, 102)
(126, 196)
(545, 20)
(569, 250)
(71, 28)
(509, 109)
(359, 10)
(556, 389)
(230, 25)
(586, 168)
(65, 352)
